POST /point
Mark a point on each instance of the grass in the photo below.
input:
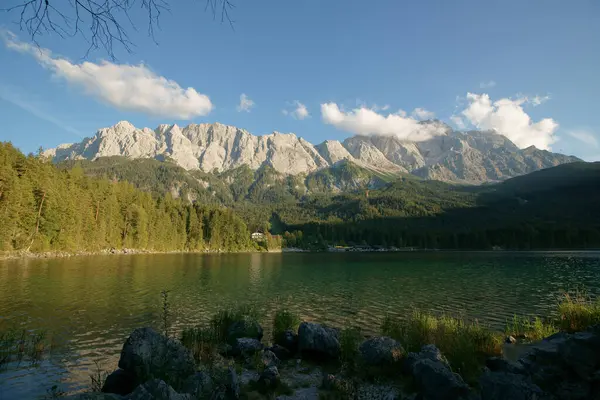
(350, 339)
(284, 320)
(577, 312)
(574, 312)
(17, 345)
(466, 345)
(204, 341)
(97, 378)
(529, 329)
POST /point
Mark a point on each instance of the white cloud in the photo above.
(537, 100)
(123, 86)
(508, 118)
(245, 103)
(487, 85)
(458, 121)
(585, 137)
(299, 112)
(366, 121)
(421, 113)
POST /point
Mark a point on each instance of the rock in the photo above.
(269, 359)
(244, 328)
(199, 385)
(94, 396)
(380, 351)
(318, 340)
(281, 352)
(233, 384)
(225, 349)
(246, 347)
(505, 385)
(329, 382)
(148, 355)
(269, 379)
(119, 382)
(157, 389)
(437, 382)
(581, 353)
(499, 364)
(429, 352)
(288, 340)
(510, 339)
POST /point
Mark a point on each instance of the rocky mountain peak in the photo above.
(466, 157)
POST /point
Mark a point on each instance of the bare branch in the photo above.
(99, 22)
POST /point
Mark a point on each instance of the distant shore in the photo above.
(15, 255)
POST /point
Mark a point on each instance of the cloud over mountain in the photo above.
(123, 86)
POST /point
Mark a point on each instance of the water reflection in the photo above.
(90, 304)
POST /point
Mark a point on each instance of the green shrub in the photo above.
(350, 339)
(466, 345)
(530, 329)
(284, 320)
(577, 312)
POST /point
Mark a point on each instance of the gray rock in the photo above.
(380, 351)
(581, 353)
(245, 328)
(288, 340)
(510, 339)
(281, 352)
(318, 340)
(94, 396)
(428, 352)
(269, 379)
(149, 355)
(119, 382)
(157, 389)
(436, 381)
(499, 364)
(269, 359)
(505, 385)
(246, 347)
(232, 384)
(199, 385)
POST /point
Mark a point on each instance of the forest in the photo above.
(43, 208)
(156, 205)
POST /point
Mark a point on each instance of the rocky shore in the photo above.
(304, 364)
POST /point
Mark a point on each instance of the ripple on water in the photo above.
(89, 305)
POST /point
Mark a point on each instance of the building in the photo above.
(258, 236)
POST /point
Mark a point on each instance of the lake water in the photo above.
(89, 305)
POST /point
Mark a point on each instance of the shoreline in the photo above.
(19, 255)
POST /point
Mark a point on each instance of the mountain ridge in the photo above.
(472, 157)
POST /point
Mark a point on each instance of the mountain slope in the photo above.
(464, 157)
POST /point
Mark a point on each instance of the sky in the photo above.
(323, 69)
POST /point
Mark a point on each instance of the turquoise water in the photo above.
(88, 305)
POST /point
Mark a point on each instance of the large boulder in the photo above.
(429, 352)
(269, 379)
(244, 328)
(149, 355)
(94, 396)
(380, 351)
(281, 352)
(246, 347)
(318, 340)
(287, 339)
(506, 385)
(269, 359)
(157, 389)
(119, 382)
(200, 385)
(436, 381)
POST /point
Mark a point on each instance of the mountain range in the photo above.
(472, 157)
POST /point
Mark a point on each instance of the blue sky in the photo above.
(528, 69)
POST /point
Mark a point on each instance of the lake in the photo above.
(89, 305)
